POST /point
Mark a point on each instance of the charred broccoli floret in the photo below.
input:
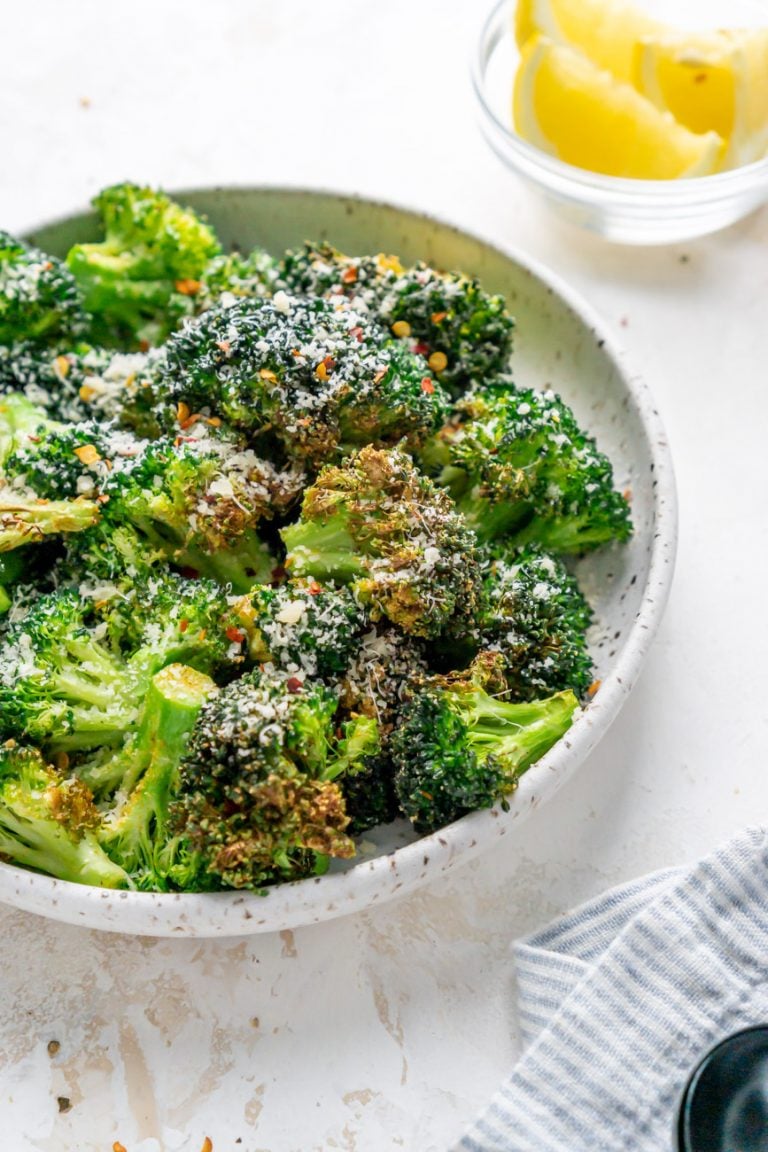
(535, 615)
(62, 682)
(198, 504)
(302, 627)
(48, 821)
(135, 831)
(255, 803)
(39, 299)
(457, 749)
(304, 374)
(377, 524)
(140, 281)
(522, 468)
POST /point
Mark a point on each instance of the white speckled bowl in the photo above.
(559, 343)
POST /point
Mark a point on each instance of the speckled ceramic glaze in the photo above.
(559, 344)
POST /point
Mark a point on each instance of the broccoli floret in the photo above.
(165, 618)
(25, 518)
(232, 276)
(464, 334)
(381, 674)
(135, 831)
(197, 503)
(39, 299)
(302, 627)
(309, 375)
(254, 803)
(458, 749)
(140, 281)
(378, 525)
(522, 468)
(48, 821)
(535, 615)
(365, 775)
(62, 683)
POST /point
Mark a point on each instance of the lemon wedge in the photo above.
(607, 31)
(717, 82)
(571, 109)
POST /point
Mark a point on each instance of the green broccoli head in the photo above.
(458, 749)
(62, 683)
(446, 318)
(197, 502)
(522, 468)
(48, 821)
(377, 524)
(534, 614)
(40, 301)
(314, 378)
(302, 627)
(253, 802)
(140, 281)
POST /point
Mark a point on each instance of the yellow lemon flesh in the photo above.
(571, 109)
(717, 82)
(607, 31)
(711, 82)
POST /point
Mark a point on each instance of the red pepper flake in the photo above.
(183, 625)
(315, 589)
(190, 573)
(329, 362)
(594, 688)
(357, 333)
(207, 1145)
(235, 635)
(188, 287)
(144, 345)
(118, 1147)
(436, 317)
(380, 376)
(224, 346)
(627, 494)
(279, 573)
(294, 685)
(349, 275)
(427, 386)
(422, 349)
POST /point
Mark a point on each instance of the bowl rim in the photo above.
(685, 191)
(289, 905)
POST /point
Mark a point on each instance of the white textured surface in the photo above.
(389, 1029)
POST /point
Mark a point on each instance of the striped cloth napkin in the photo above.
(620, 999)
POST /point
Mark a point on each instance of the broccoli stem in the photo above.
(47, 847)
(516, 734)
(25, 521)
(175, 697)
(323, 549)
(248, 562)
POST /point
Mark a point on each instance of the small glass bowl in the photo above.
(627, 211)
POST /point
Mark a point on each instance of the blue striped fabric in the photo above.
(619, 999)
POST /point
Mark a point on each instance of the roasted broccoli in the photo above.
(464, 334)
(135, 831)
(255, 803)
(62, 682)
(377, 524)
(305, 374)
(457, 748)
(534, 614)
(521, 467)
(40, 301)
(48, 821)
(140, 281)
(283, 554)
(302, 627)
(197, 502)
